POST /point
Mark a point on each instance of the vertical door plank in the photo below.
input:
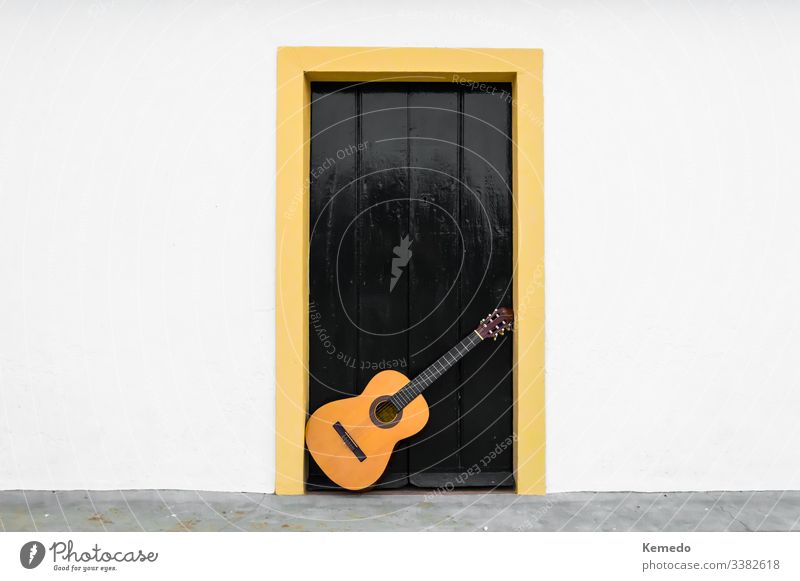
(382, 223)
(433, 272)
(487, 392)
(332, 339)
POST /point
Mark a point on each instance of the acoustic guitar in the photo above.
(352, 439)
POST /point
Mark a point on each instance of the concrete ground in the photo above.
(171, 510)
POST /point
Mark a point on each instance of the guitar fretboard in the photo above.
(417, 385)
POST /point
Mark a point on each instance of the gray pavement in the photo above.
(172, 510)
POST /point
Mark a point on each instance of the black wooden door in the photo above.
(410, 246)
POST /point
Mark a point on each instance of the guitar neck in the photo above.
(417, 385)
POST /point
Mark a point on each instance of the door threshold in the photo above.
(413, 491)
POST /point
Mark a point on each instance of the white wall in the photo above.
(136, 235)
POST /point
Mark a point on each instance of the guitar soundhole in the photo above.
(383, 413)
(386, 412)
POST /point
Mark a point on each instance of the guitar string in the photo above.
(407, 393)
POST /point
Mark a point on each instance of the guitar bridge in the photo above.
(349, 442)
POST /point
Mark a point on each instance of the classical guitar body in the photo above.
(352, 439)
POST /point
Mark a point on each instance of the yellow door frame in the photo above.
(297, 68)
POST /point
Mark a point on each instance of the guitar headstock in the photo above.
(496, 323)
